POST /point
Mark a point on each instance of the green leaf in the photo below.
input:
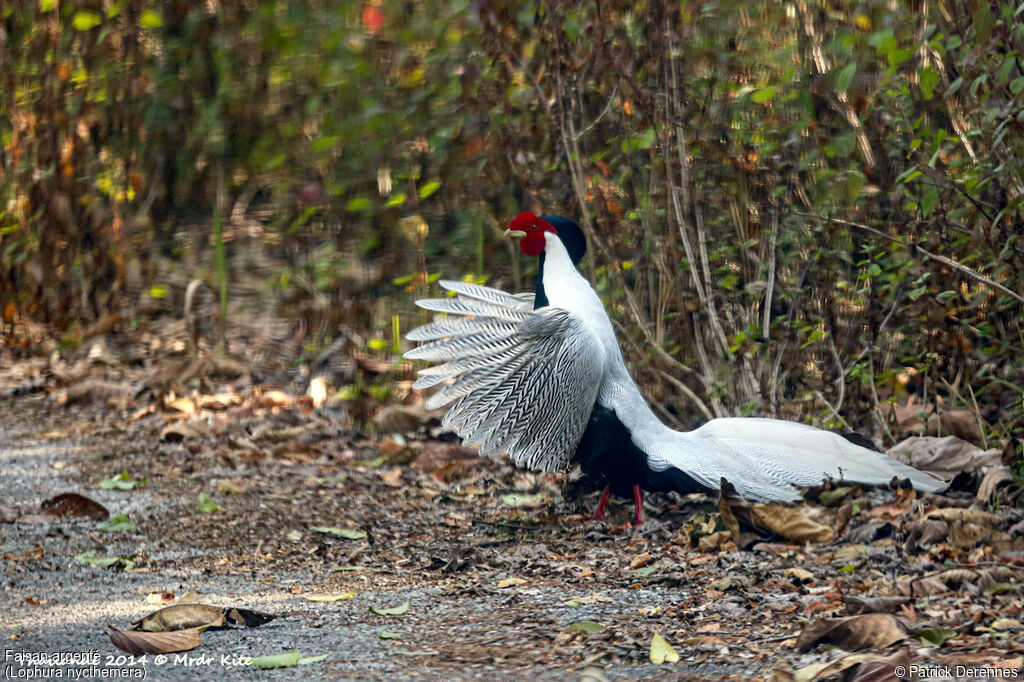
(764, 94)
(645, 571)
(1016, 85)
(929, 197)
(387, 634)
(288, 659)
(47, 5)
(428, 189)
(347, 533)
(393, 611)
(328, 597)
(662, 651)
(158, 291)
(322, 144)
(117, 524)
(908, 175)
(977, 83)
(936, 636)
(845, 78)
(928, 79)
(205, 504)
(1001, 588)
(396, 200)
(150, 19)
(377, 344)
(587, 626)
(984, 21)
(358, 204)
(91, 559)
(954, 86)
(306, 660)
(122, 481)
(831, 498)
(84, 20)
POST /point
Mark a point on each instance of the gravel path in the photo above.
(53, 604)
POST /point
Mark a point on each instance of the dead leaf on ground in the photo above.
(853, 633)
(944, 457)
(857, 605)
(97, 389)
(183, 404)
(791, 524)
(179, 431)
(924, 533)
(640, 560)
(274, 399)
(73, 504)
(995, 479)
(510, 582)
(405, 418)
(862, 667)
(328, 597)
(181, 617)
(446, 461)
(964, 515)
(8, 513)
(767, 518)
(137, 643)
(661, 651)
(219, 401)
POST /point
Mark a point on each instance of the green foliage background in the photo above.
(781, 198)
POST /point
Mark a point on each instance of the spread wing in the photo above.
(522, 381)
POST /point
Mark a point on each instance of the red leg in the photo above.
(638, 502)
(599, 513)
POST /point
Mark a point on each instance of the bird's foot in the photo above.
(638, 504)
(599, 512)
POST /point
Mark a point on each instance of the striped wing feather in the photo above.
(522, 382)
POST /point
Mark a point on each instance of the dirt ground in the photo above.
(503, 572)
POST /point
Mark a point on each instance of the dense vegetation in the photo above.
(800, 208)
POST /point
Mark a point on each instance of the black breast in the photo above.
(607, 452)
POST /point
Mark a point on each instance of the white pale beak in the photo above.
(514, 234)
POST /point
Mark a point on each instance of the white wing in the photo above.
(525, 381)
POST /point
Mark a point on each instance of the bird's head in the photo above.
(529, 229)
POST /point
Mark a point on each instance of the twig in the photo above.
(831, 409)
(689, 393)
(878, 405)
(767, 312)
(607, 108)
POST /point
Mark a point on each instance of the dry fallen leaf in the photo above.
(640, 560)
(180, 617)
(965, 515)
(327, 597)
(791, 524)
(184, 404)
(857, 605)
(662, 651)
(853, 633)
(138, 643)
(944, 457)
(73, 504)
(510, 582)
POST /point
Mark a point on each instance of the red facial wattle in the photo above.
(533, 243)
